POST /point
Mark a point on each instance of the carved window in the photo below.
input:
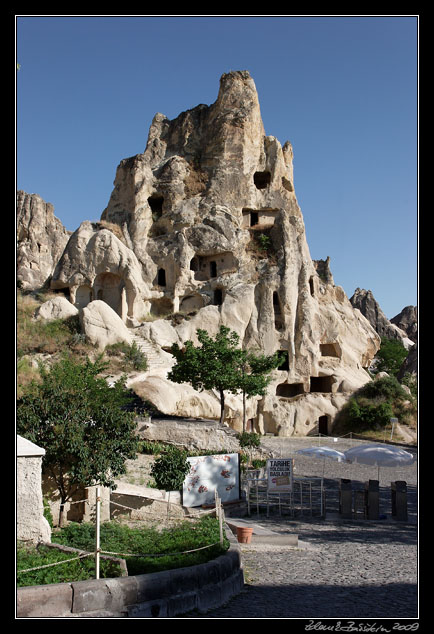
(311, 286)
(262, 179)
(284, 355)
(218, 297)
(156, 204)
(289, 390)
(321, 383)
(161, 277)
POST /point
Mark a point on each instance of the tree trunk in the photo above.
(222, 407)
(62, 512)
(244, 412)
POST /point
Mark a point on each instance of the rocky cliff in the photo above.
(205, 225)
(406, 321)
(41, 239)
(400, 327)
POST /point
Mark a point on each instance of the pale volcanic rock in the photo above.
(41, 239)
(56, 308)
(102, 326)
(203, 229)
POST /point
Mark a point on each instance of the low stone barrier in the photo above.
(159, 594)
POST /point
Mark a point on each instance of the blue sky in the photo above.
(343, 90)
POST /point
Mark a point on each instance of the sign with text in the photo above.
(210, 473)
(279, 474)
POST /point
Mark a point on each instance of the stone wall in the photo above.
(160, 594)
(31, 523)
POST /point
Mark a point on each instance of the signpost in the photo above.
(279, 475)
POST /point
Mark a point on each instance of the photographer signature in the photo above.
(351, 626)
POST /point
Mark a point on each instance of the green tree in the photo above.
(169, 471)
(391, 356)
(220, 364)
(213, 365)
(170, 468)
(255, 375)
(79, 420)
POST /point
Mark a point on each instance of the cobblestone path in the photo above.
(343, 570)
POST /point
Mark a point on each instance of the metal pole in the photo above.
(220, 521)
(97, 531)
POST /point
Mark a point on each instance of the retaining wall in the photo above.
(160, 594)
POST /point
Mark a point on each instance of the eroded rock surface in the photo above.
(204, 226)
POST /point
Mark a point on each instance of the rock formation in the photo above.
(204, 226)
(406, 320)
(41, 239)
(365, 301)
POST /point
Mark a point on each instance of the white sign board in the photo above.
(210, 473)
(279, 474)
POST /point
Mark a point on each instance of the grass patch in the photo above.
(118, 538)
(40, 336)
(77, 570)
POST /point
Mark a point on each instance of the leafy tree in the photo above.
(79, 420)
(213, 365)
(169, 471)
(170, 468)
(220, 364)
(255, 375)
(391, 356)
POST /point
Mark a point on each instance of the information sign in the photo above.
(207, 474)
(279, 474)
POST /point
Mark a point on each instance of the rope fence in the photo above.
(218, 509)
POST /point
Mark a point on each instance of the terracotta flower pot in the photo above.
(244, 534)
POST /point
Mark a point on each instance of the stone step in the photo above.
(149, 350)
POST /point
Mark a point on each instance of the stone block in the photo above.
(44, 601)
(154, 586)
(89, 595)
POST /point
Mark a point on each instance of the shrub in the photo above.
(133, 357)
(387, 387)
(249, 439)
(76, 570)
(170, 469)
(390, 356)
(364, 415)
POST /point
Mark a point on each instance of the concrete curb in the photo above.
(160, 594)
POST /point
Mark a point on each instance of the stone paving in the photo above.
(351, 569)
(342, 568)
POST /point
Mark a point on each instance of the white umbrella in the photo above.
(322, 452)
(379, 456)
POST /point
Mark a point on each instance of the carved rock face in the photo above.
(41, 239)
(207, 223)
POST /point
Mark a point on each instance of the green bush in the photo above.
(387, 387)
(364, 415)
(170, 468)
(391, 356)
(249, 439)
(47, 512)
(133, 357)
